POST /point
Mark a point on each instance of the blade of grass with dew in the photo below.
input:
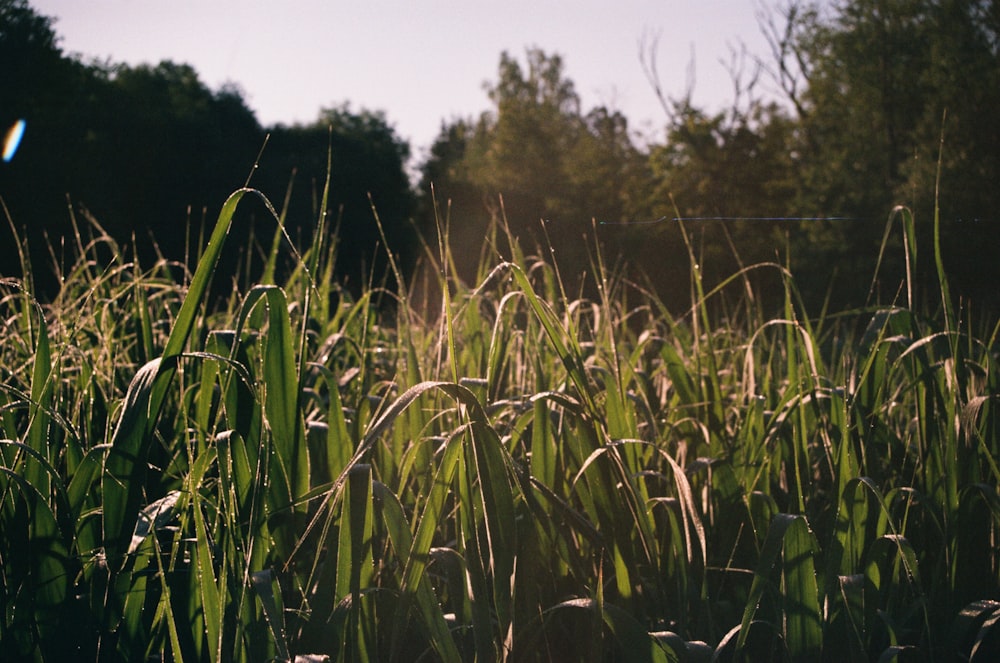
(207, 626)
(338, 443)
(355, 565)
(416, 555)
(240, 400)
(124, 467)
(487, 501)
(789, 547)
(165, 615)
(280, 382)
(497, 501)
(475, 551)
(244, 538)
(263, 583)
(126, 609)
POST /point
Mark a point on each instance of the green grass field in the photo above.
(529, 476)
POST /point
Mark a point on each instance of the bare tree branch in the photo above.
(789, 66)
(744, 85)
(648, 57)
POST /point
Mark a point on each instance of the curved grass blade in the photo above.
(124, 474)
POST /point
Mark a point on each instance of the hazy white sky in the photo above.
(422, 62)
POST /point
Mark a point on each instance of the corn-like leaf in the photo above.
(788, 550)
(125, 465)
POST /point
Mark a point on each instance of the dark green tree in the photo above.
(876, 85)
(367, 177)
(32, 62)
(151, 153)
(170, 148)
(42, 88)
(145, 149)
(729, 177)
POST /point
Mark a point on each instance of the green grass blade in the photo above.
(125, 465)
(263, 583)
(355, 565)
(42, 387)
(211, 600)
(789, 549)
(279, 379)
(427, 604)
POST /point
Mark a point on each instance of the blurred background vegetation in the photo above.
(844, 119)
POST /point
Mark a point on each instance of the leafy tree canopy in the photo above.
(549, 160)
(367, 170)
(152, 153)
(882, 89)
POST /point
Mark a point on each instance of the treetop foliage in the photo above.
(151, 153)
(883, 103)
(874, 91)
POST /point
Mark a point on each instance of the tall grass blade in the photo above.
(355, 566)
(123, 479)
(788, 549)
(413, 583)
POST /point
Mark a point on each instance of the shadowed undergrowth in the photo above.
(526, 477)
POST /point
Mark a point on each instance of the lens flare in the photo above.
(13, 139)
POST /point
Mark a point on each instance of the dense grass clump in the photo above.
(529, 476)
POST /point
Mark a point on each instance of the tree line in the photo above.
(881, 103)
(150, 153)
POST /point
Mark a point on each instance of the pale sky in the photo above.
(420, 62)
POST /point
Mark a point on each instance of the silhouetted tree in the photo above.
(152, 153)
(168, 144)
(43, 88)
(367, 177)
(137, 146)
